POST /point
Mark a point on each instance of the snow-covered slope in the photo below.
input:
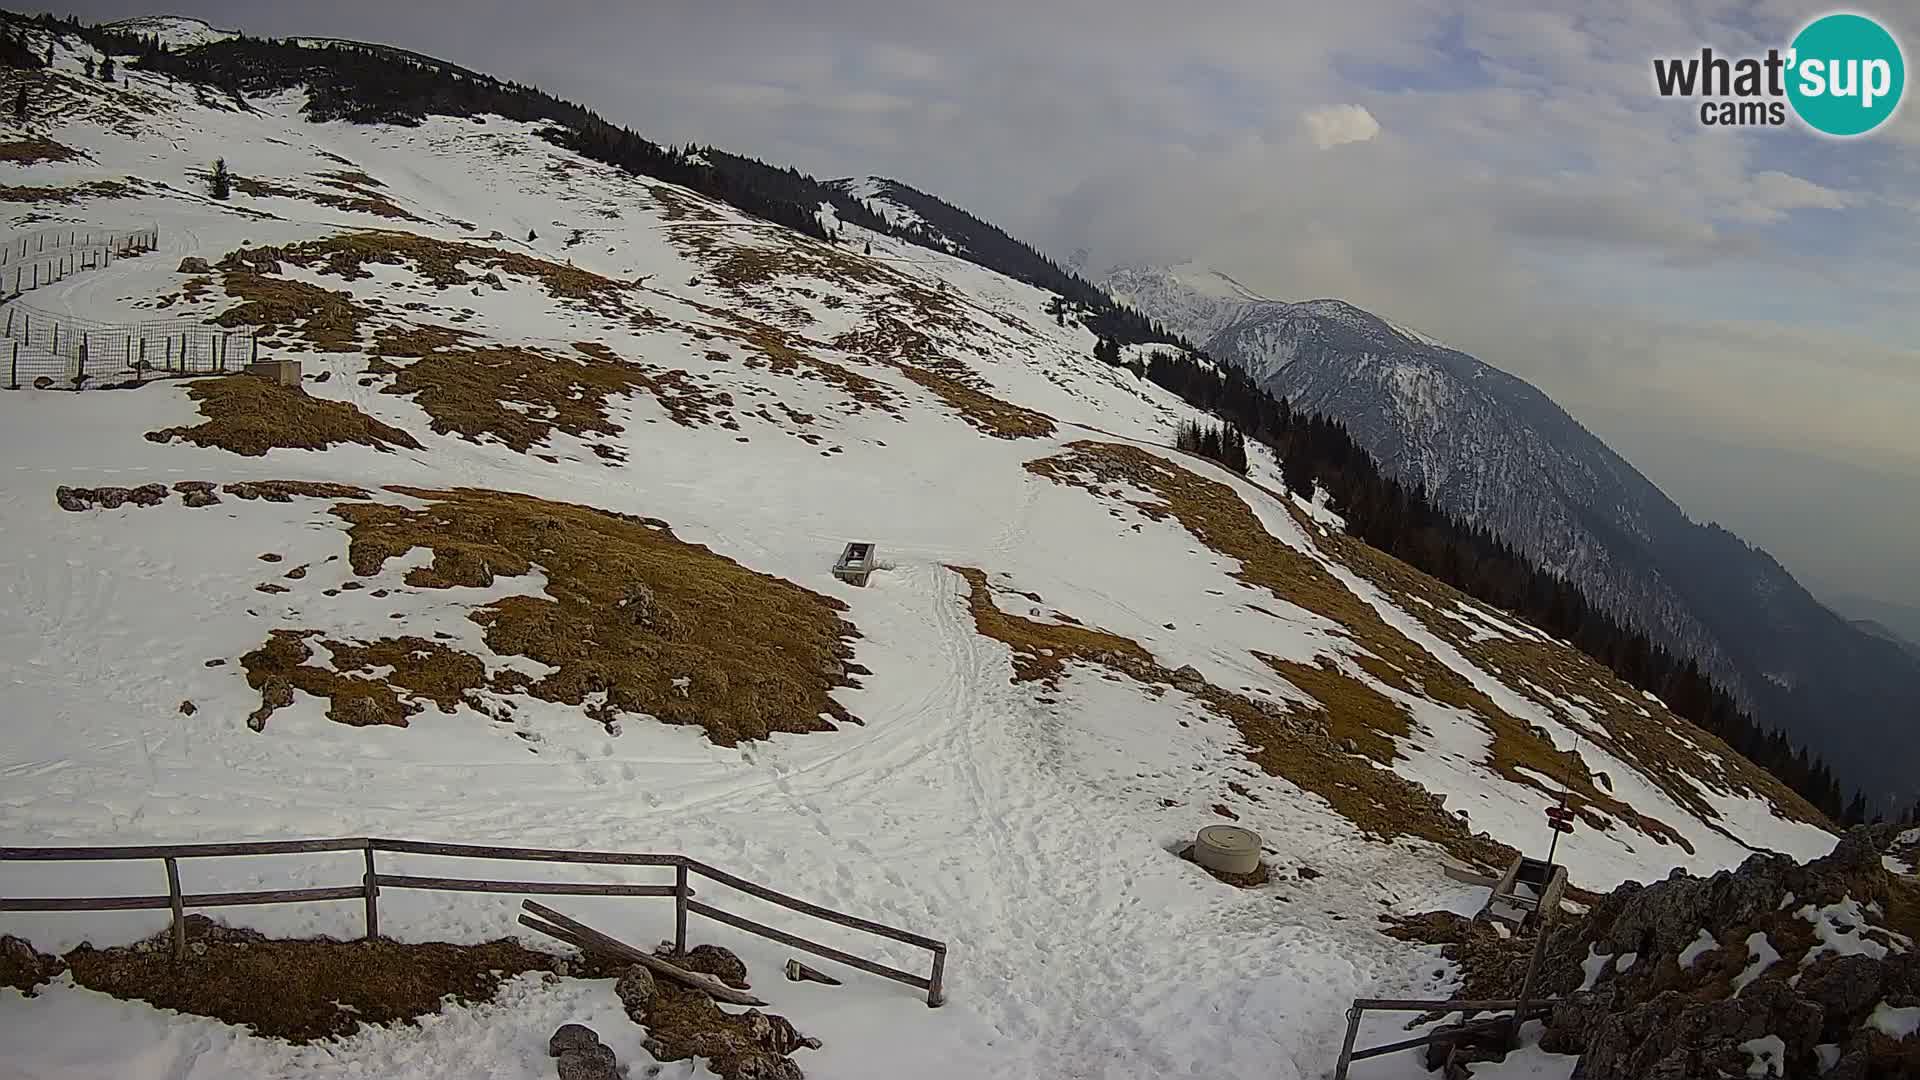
(1494, 450)
(1084, 645)
(174, 31)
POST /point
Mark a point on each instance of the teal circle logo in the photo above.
(1847, 75)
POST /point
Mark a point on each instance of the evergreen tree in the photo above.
(106, 68)
(49, 54)
(532, 236)
(220, 186)
(89, 67)
(20, 105)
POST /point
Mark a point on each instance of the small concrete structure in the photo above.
(1227, 849)
(284, 372)
(1529, 887)
(856, 563)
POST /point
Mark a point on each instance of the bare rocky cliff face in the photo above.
(1493, 450)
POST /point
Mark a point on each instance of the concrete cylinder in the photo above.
(1227, 849)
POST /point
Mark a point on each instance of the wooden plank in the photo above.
(179, 913)
(84, 903)
(481, 851)
(599, 942)
(175, 851)
(549, 888)
(1416, 1005)
(814, 947)
(370, 888)
(273, 896)
(1475, 1027)
(936, 989)
(680, 894)
(815, 910)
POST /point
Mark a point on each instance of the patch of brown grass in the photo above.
(629, 609)
(900, 315)
(1667, 750)
(251, 415)
(329, 321)
(1377, 800)
(1221, 520)
(426, 670)
(473, 391)
(785, 353)
(92, 189)
(900, 343)
(445, 262)
(305, 989)
(350, 178)
(288, 490)
(35, 149)
(359, 201)
(679, 205)
(1355, 711)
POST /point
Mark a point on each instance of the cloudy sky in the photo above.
(1737, 312)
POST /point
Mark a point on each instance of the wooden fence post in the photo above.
(169, 352)
(680, 909)
(13, 381)
(936, 993)
(373, 896)
(179, 913)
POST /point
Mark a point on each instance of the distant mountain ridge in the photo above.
(1496, 451)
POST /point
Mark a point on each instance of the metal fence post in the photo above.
(13, 380)
(179, 914)
(373, 896)
(1346, 1048)
(680, 908)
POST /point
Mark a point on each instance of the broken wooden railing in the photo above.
(372, 882)
(1521, 1011)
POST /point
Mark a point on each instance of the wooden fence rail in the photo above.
(372, 881)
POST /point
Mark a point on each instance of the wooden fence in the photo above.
(372, 882)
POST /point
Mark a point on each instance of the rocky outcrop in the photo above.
(581, 1055)
(683, 1022)
(109, 498)
(23, 967)
(1776, 968)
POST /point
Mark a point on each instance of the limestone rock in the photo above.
(571, 1037)
(594, 1062)
(636, 990)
